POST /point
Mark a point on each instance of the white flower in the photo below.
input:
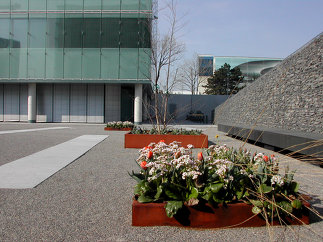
(277, 179)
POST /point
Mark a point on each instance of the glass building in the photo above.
(251, 67)
(74, 60)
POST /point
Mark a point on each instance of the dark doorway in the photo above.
(127, 103)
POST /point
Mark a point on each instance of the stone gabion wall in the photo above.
(288, 97)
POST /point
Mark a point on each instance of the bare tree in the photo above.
(189, 75)
(165, 51)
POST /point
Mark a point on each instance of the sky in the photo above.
(252, 28)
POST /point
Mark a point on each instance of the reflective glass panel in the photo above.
(92, 28)
(129, 33)
(18, 63)
(5, 7)
(54, 63)
(37, 30)
(110, 64)
(36, 63)
(73, 63)
(55, 33)
(110, 33)
(4, 60)
(4, 33)
(19, 5)
(73, 31)
(144, 63)
(128, 63)
(37, 8)
(55, 8)
(91, 8)
(76, 6)
(91, 63)
(19, 33)
(144, 33)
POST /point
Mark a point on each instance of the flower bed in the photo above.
(225, 180)
(142, 140)
(206, 216)
(119, 126)
(117, 129)
(139, 138)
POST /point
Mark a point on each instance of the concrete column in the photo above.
(138, 104)
(32, 102)
(145, 107)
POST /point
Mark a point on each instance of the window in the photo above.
(206, 66)
(73, 33)
(37, 36)
(55, 33)
(19, 33)
(4, 33)
(129, 33)
(92, 28)
(110, 33)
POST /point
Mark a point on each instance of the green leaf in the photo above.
(263, 188)
(256, 203)
(296, 204)
(216, 199)
(144, 199)
(286, 206)
(137, 176)
(172, 207)
(215, 188)
(256, 210)
(159, 192)
(240, 194)
(172, 194)
(194, 193)
(137, 190)
(295, 186)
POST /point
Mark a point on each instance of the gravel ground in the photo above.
(91, 198)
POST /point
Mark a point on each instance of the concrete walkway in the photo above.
(30, 171)
(29, 130)
(90, 199)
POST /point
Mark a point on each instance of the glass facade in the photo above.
(75, 40)
(251, 67)
(206, 66)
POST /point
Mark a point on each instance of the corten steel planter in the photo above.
(142, 140)
(116, 129)
(205, 216)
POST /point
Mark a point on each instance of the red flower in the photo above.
(200, 156)
(143, 165)
(265, 158)
(272, 156)
(162, 141)
(150, 155)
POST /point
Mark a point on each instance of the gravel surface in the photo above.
(91, 198)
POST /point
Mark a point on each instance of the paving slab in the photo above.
(30, 130)
(30, 171)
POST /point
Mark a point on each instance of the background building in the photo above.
(74, 60)
(251, 67)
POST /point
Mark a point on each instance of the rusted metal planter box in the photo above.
(115, 129)
(142, 140)
(229, 216)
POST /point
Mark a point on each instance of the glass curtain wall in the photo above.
(75, 40)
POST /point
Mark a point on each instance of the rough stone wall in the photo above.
(288, 97)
